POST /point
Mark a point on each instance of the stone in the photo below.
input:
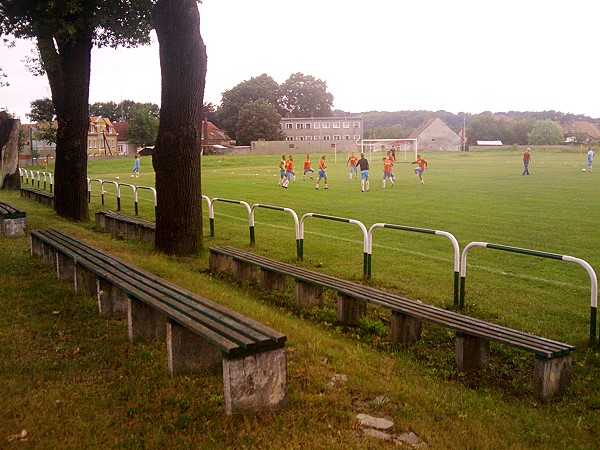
(374, 422)
(377, 434)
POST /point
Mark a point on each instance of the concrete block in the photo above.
(243, 271)
(188, 352)
(100, 220)
(85, 280)
(65, 267)
(112, 301)
(404, 329)
(472, 353)
(551, 376)
(144, 322)
(220, 264)
(308, 295)
(13, 228)
(350, 309)
(272, 281)
(255, 383)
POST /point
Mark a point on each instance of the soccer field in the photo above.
(476, 196)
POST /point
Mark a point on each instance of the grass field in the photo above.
(476, 196)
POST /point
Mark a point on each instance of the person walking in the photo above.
(363, 163)
(526, 160)
(322, 172)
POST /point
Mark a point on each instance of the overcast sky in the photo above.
(385, 55)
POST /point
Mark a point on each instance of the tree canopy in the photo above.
(258, 120)
(143, 125)
(42, 110)
(305, 96)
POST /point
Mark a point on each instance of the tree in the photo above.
(259, 120)
(176, 157)
(143, 125)
(262, 87)
(105, 109)
(485, 127)
(209, 112)
(305, 96)
(42, 110)
(519, 131)
(544, 132)
(65, 32)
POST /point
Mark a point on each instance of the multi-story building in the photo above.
(102, 137)
(347, 128)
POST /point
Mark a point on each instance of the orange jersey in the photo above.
(289, 166)
(322, 164)
(352, 160)
(307, 164)
(387, 166)
(422, 163)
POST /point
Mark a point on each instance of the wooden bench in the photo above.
(200, 334)
(553, 359)
(12, 221)
(127, 226)
(37, 195)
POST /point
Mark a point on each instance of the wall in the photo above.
(438, 136)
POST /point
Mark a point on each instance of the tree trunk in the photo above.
(68, 70)
(176, 158)
(9, 152)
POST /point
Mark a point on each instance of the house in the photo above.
(347, 128)
(102, 137)
(125, 146)
(579, 131)
(213, 136)
(39, 148)
(434, 134)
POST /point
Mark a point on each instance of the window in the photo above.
(346, 124)
(318, 125)
(289, 126)
(317, 138)
(346, 137)
(356, 124)
(307, 126)
(308, 138)
(336, 124)
(337, 137)
(289, 138)
(326, 138)
(299, 126)
(357, 137)
(326, 124)
(299, 138)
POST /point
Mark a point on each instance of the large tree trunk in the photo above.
(9, 152)
(176, 157)
(68, 70)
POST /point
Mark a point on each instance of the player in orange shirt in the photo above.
(387, 170)
(352, 160)
(322, 172)
(391, 155)
(289, 171)
(307, 168)
(421, 166)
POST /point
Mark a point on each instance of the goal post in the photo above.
(406, 149)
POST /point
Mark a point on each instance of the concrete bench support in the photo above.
(13, 228)
(220, 264)
(85, 281)
(404, 329)
(551, 376)
(65, 268)
(272, 281)
(144, 322)
(472, 353)
(350, 309)
(188, 352)
(308, 295)
(244, 272)
(112, 301)
(255, 383)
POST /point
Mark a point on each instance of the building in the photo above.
(434, 134)
(213, 136)
(102, 137)
(347, 128)
(125, 146)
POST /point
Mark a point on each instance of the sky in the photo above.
(382, 55)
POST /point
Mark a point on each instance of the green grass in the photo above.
(72, 379)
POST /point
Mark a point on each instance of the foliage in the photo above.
(305, 96)
(42, 110)
(258, 120)
(517, 132)
(394, 131)
(209, 112)
(143, 125)
(544, 132)
(45, 131)
(105, 109)
(262, 87)
(485, 128)
(121, 111)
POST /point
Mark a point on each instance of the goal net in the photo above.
(405, 149)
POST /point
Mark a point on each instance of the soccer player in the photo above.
(322, 172)
(281, 170)
(387, 170)
(352, 161)
(307, 168)
(590, 155)
(392, 157)
(526, 160)
(363, 163)
(289, 171)
(136, 166)
(421, 166)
